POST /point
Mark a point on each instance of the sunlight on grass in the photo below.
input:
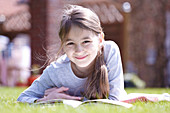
(8, 104)
(148, 90)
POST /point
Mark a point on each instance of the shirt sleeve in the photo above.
(37, 89)
(115, 71)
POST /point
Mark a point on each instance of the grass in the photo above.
(8, 104)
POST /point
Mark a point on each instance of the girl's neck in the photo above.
(82, 72)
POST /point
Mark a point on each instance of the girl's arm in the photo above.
(115, 72)
(37, 89)
(43, 89)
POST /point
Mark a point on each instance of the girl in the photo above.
(90, 67)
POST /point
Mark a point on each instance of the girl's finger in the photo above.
(49, 90)
(61, 89)
(65, 96)
(58, 90)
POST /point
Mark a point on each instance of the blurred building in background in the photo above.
(140, 28)
(16, 57)
(147, 54)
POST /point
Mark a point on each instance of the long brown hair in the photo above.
(97, 85)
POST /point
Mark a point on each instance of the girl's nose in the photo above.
(79, 48)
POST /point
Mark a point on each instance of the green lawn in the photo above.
(8, 104)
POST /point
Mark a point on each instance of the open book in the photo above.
(143, 97)
(126, 102)
(75, 103)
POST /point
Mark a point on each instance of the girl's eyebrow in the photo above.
(82, 38)
(86, 38)
(68, 39)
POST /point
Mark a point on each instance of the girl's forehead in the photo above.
(76, 31)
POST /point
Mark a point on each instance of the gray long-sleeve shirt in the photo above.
(59, 73)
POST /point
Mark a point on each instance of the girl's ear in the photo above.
(101, 38)
(102, 35)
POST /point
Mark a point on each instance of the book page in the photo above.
(75, 103)
(107, 101)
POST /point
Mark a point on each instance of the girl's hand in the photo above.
(57, 93)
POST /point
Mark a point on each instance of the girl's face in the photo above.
(81, 46)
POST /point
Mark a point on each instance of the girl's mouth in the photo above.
(81, 57)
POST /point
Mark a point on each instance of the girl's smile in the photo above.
(81, 57)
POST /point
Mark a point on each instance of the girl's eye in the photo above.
(85, 42)
(70, 43)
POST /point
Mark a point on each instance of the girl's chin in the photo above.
(82, 64)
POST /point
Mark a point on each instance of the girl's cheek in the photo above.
(69, 49)
(91, 47)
